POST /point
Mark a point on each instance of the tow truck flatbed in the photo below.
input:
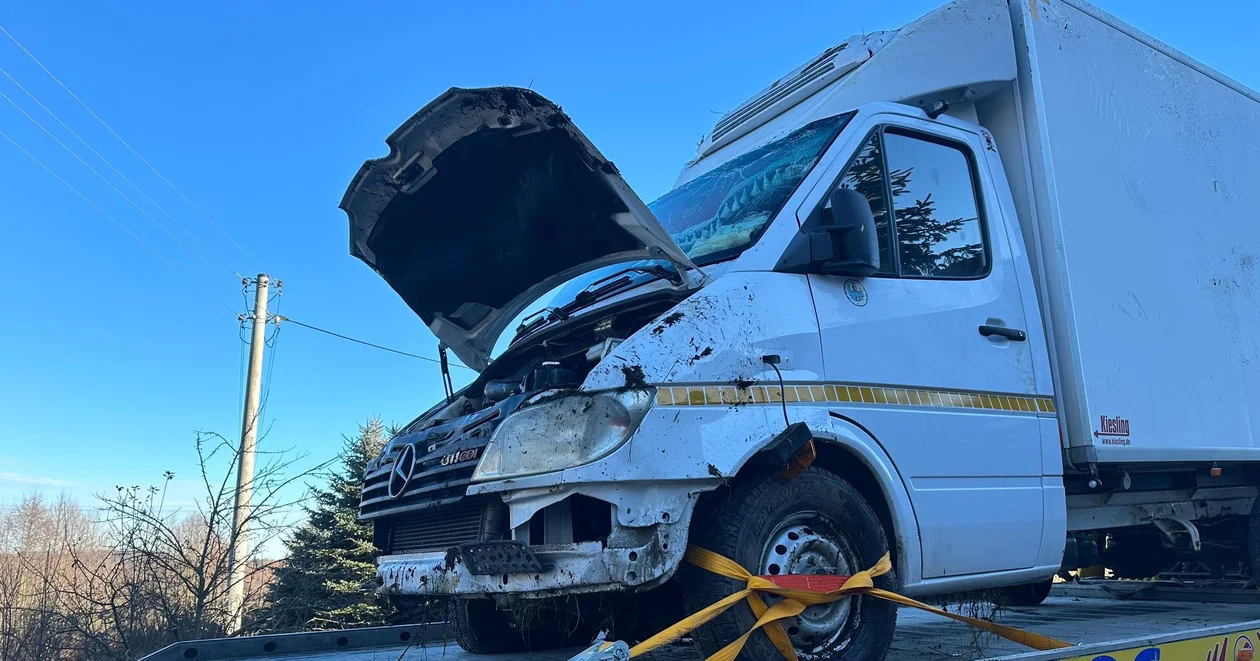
(1098, 625)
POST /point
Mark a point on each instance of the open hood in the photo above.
(488, 199)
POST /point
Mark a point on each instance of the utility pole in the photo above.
(245, 471)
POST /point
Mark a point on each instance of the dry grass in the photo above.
(132, 576)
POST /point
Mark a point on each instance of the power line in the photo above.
(115, 188)
(115, 221)
(357, 341)
(129, 147)
(111, 166)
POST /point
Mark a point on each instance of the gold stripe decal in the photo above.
(844, 393)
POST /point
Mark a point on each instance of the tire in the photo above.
(830, 519)
(1027, 595)
(481, 628)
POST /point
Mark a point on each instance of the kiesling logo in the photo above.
(1112, 431)
(401, 473)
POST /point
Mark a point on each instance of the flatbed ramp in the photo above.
(1104, 629)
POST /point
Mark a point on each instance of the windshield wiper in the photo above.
(615, 281)
(540, 318)
(593, 292)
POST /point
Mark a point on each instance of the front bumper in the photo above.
(574, 568)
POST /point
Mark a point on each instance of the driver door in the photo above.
(934, 346)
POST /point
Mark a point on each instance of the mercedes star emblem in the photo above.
(401, 474)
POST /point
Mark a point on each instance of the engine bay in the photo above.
(440, 448)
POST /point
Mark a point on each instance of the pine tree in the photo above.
(326, 583)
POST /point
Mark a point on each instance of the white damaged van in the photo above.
(979, 291)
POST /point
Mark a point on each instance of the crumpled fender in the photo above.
(719, 335)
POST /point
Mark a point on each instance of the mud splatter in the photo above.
(669, 320)
(634, 376)
(708, 351)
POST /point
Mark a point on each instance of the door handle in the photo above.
(1012, 334)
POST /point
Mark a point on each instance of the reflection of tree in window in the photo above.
(938, 225)
(866, 176)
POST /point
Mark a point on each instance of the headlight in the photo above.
(562, 433)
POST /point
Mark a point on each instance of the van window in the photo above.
(938, 230)
(865, 175)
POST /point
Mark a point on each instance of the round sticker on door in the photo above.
(855, 291)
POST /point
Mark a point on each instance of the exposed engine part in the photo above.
(597, 352)
(551, 376)
(500, 389)
(604, 329)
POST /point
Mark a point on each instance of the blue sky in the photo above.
(260, 113)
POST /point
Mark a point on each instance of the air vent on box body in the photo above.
(802, 83)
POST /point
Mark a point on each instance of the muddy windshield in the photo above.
(720, 213)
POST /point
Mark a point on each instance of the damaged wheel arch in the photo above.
(848, 450)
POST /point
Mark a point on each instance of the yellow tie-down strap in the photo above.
(796, 601)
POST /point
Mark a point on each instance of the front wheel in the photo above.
(816, 523)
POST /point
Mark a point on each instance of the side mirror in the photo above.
(840, 240)
(851, 225)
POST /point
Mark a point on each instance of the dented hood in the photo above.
(488, 199)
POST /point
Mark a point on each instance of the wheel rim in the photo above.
(810, 543)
